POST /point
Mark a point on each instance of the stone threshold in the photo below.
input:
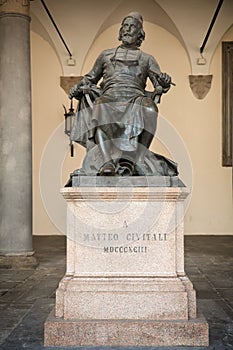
(18, 261)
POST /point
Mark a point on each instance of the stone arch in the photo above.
(40, 29)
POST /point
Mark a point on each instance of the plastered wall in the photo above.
(189, 130)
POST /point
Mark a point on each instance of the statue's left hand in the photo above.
(164, 80)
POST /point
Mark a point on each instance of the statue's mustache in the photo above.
(127, 34)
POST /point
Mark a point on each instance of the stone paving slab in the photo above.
(29, 295)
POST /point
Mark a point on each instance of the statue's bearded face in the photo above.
(129, 31)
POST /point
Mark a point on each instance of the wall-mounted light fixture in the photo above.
(201, 61)
(70, 61)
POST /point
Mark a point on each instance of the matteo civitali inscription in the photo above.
(130, 237)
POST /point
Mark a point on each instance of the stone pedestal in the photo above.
(125, 283)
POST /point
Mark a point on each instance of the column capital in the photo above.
(15, 6)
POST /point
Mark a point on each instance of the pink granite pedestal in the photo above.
(125, 283)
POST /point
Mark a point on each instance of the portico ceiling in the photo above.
(81, 22)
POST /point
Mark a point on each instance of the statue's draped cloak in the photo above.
(121, 106)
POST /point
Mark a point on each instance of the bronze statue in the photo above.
(117, 120)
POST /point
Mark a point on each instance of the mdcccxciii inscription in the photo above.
(115, 239)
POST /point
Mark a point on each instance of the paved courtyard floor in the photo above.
(28, 295)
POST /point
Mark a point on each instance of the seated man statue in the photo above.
(117, 120)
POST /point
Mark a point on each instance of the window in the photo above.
(227, 102)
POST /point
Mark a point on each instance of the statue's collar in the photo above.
(125, 55)
(122, 46)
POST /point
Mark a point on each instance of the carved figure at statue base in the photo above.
(116, 121)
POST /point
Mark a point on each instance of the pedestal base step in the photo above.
(60, 332)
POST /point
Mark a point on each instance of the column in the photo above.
(15, 129)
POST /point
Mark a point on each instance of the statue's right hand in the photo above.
(78, 90)
(74, 91)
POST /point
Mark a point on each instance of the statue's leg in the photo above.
(144, 141)
(108, 168)
(146, 136)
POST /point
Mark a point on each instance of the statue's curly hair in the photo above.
(141, 33)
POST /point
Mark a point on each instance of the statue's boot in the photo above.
(126, 168)
(108, 169)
